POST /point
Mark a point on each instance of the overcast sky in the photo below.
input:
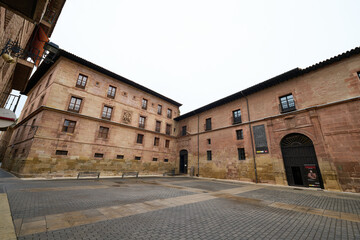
(198, 51)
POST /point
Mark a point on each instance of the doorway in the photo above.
(183, 161)
(301, 165)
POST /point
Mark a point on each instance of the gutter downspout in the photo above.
(251, 135)
(198, 142)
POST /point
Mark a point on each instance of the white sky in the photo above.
(198, 51)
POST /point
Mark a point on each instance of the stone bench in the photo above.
(88, 174)
(130, 174)
(170, 173)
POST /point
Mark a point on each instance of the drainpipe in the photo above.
(252, 142)
(198, 150)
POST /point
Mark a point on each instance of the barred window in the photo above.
(241, 153)
(155, 159)
(61, 152)
(99, 155)
(209, 157)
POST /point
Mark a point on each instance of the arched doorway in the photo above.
(183, 161)
(301, 165)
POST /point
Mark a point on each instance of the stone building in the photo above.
(23, 25)
(81, 117)
(300, 128)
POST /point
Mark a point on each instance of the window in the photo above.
(48, 81)
(358, 73)
(61, 152)
(287, 103)
(142, 122)
(236, 116)
(183, 131)
(75, 104)
(158, 126)
(103, 132)
(167, 143)
(159, 110)
(168, 129)
(155, 159)
(208, 124)
(166, 160)
(209, 155)
(69, 126)
(239, 134)
(106, 113)
(209, 141)
(144, 104)
(137, 158)
(119, 156)
(99, 155)
(81, 81)
(41, 100)
(156, 141)
(140, 138)
(241, 153)
(111, 92)
(169, 113)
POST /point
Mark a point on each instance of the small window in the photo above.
(208, 124)
(209, 157)
(103, 132)
(81, 81)
(236, 116)
(111, 92)
(239, 134)
(75, 104)
(209, 141)
(169, 113)
(99, 155)
(183, 131)
(41, 100)
(155, 159)
(158, 126)
(168, 129)
(159, 109)
(241, 153)
(156, 141)
(119, 156)
(144, 104)
(140, 138)
(137, 158)
(166, 160)
(287, 103)
(69, 126)
(167, 143)
(61, 152)
(142, 122)
(106, 113)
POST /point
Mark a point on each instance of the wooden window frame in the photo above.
(236, 116)
(103, 132)
(167, 143)
(140, 138)
(105, 112)
(75, 104)
(68, 128)
(144, 104)
(111, 93)
(156, 141)
(288, 103)
(79, 82)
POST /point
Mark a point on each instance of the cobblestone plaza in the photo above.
(175, 208)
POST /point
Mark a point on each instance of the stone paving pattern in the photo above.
(176, 208)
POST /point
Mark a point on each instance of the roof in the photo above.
(296, 72)
(44, 67)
